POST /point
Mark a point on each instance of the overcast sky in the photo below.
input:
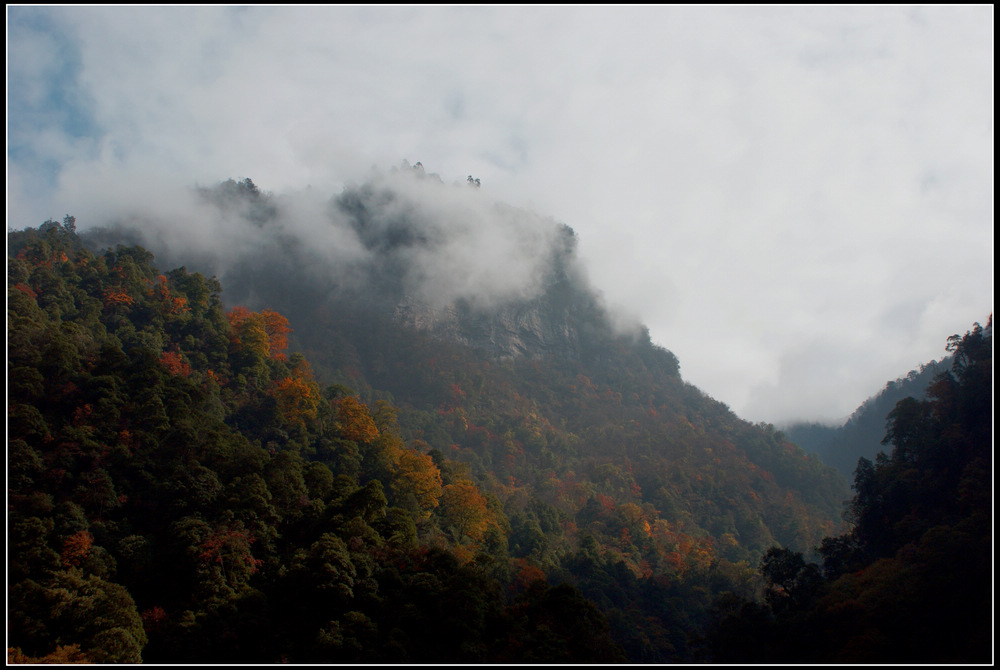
(798, 202)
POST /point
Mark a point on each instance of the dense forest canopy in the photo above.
(911, 581)
(296, 474)
(862, 433)
(182, 489)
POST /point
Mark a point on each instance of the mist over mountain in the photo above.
(862, 433)
(441, 258)
(457, 412)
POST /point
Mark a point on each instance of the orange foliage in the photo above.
(63, 655)
(277, 330)
(117, 296)
(76, 548)
(237, 315)
(418, 475)
(356, 423)
(465, 508)
(527, 574)
(174, 364)
(178, 305)
(680, 551)
(297, 399)
(267, 329)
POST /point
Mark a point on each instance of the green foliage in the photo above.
(168, 448)
(908, 583)
(174, 498)
(861, 435)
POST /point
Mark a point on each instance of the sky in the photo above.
(798, 202)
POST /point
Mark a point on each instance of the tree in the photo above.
(465, 511)
(354, 421)
(277, 329)
(417, 478)
(297, 399)
(229, 549)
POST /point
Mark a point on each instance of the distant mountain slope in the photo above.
(861, 435)
(443, 259)
(477, 322)
(910, 582)
(181, 490)
(445, 298)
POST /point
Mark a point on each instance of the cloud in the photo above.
(758, 184)
(441, 242)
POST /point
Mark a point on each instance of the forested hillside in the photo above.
(477, 321)
(912, 580)
(351, 454)
(861, 435)
(182, 490)
(181, 478)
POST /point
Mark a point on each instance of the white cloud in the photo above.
(798, 202)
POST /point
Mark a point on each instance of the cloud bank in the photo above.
(400, 234)
(797, 201)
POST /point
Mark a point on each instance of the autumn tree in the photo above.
(277, 329)
(229, 548)
(260, 335)
(354, 421)
(465, 511)
(417, 480)
(297, 396)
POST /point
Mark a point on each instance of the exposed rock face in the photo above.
(404, 249)
(527, 328)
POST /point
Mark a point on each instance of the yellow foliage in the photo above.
(297, 398)
(265, 334)
(355, 421)
(465, 509)
(63, 655)
(418, 475)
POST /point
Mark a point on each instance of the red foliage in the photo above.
(606, 501)
(24, 288)
(153, 618)
(115, 296)
(76, 548)
(82, 414)
(277, 332)
(227, 545)
(174, 364)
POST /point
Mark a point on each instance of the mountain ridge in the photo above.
(601, 466)
(862, 433)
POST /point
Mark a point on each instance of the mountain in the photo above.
(862, 434)
(441, 299)
(910, 582)
(182, 490)
(467, 331)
